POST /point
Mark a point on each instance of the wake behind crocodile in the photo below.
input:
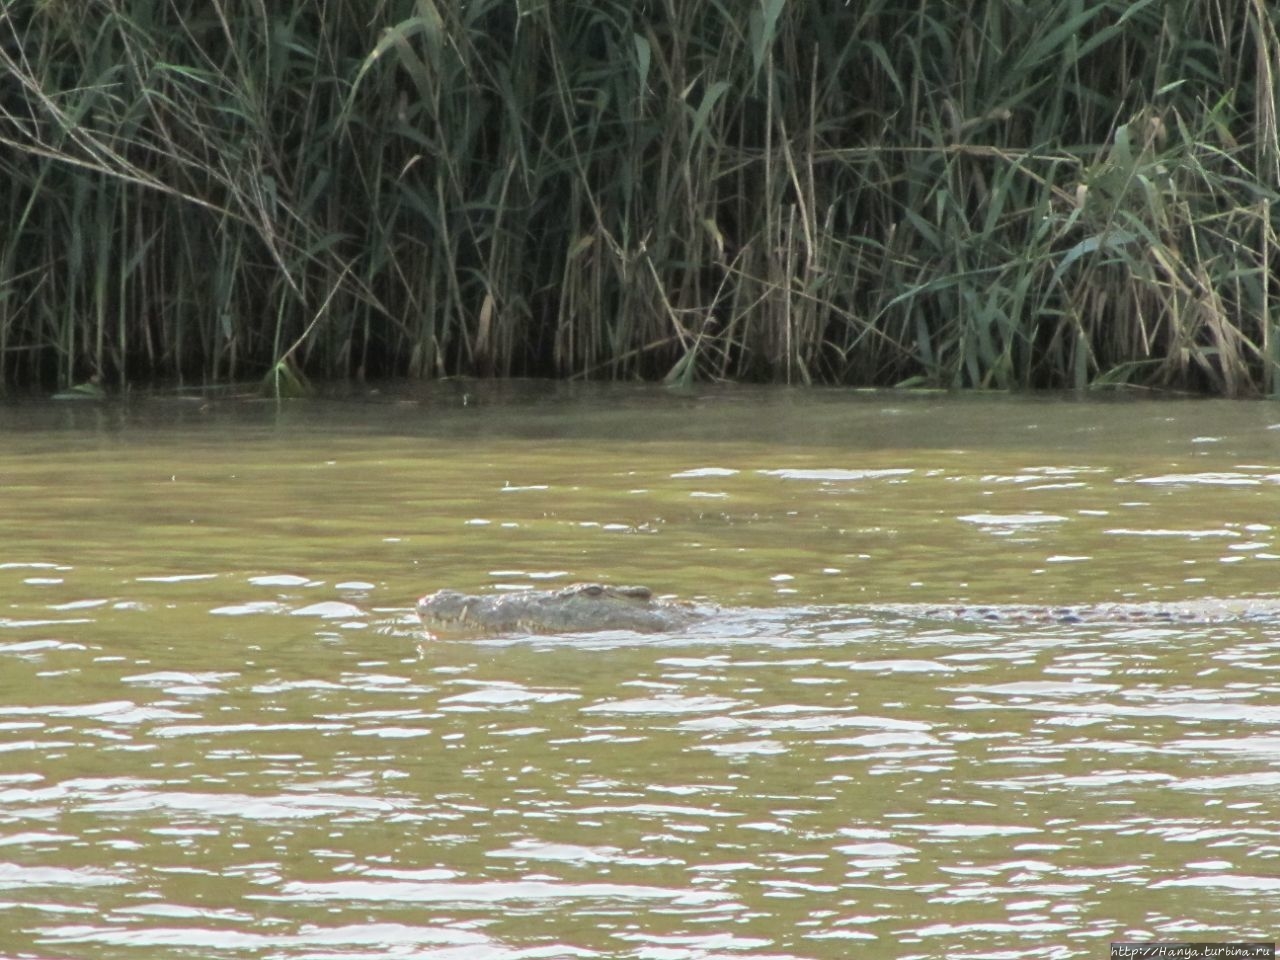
(596, 608)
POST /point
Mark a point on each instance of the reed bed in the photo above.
(1007, 194)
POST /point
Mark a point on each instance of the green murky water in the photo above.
(221, 734)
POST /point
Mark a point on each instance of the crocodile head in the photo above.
(445, 607)
(579, 608)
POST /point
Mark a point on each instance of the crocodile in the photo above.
(592, 607)
(579, 608)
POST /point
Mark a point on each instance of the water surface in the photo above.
(222, 734)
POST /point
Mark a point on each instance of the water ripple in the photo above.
(472, 893)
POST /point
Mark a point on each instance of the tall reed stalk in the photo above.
(1010, 194)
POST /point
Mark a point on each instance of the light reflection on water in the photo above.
(221, 733)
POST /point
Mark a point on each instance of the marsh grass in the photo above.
(961, 194)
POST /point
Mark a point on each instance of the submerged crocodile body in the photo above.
(592, 607)
(1117, 613)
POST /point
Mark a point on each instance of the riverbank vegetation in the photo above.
(1009, 194)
